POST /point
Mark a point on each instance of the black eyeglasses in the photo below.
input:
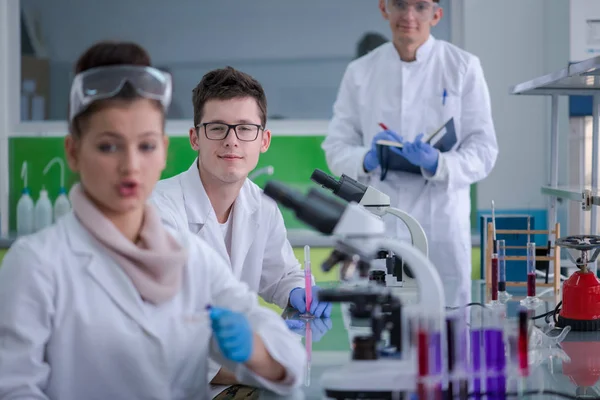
(219, 131)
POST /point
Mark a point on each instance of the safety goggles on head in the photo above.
(106, 82)
(422, 10)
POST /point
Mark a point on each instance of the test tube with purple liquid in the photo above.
(495, 359)
(475, 351)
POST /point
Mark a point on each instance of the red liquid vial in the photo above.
(423, 360)
(494, 278)
(531, 285)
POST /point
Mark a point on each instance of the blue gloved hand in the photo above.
(318, 326)
(420, 154)
(371, 160)
(317, 308)
(233, 334)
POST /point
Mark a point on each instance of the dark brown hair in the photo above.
(225, 84)
(104, 54)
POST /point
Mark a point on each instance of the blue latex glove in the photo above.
(233, 334)
(420, 154)
(317, 308)
(371, 160)
(319, 327)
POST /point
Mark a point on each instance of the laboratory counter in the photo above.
(572, 369)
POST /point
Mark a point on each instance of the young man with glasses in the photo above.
(215, 199)
(413, 85)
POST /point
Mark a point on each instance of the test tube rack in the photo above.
(553, 258)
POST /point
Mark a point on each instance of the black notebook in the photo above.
(442, 139)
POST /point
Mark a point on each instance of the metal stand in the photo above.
(581, 79)
(554, 258)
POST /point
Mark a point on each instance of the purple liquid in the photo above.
(531, 284)
(435, 355)
(495, 363)
(476, 361)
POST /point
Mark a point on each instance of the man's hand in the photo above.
(419, 154)
(318, 326)
(317, 308)
(371, 160)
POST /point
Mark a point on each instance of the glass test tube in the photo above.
(428, 339)
(523, 343)
(456, 336)
(308, 348)
(494, 293)
(503, 295)
(531, 300)
(530, 269)
(495, 359)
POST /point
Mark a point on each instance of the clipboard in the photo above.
(390, 161)
(427, 140)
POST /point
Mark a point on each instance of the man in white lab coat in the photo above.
(413, 85)
(215, 199)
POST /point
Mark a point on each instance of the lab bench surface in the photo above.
(570, 369)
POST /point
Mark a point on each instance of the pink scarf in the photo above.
(155, 265)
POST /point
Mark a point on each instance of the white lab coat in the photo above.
(261, 254)
(408, 98)
(72, 325)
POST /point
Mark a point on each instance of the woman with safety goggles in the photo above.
(109, 304)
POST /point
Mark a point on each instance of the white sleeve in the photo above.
(344, 147)
(476, 155)
(26, 315)
(280, 342)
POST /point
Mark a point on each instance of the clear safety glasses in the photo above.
(422, 10)
(106, 82)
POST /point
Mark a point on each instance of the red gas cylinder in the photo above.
(581, 302)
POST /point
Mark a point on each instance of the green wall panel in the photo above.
(294, 158)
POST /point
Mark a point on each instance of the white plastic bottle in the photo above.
(43, 211)
(62, 205)
(25, 213)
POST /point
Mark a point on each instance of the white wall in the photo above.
(516, 41)
(298, 49)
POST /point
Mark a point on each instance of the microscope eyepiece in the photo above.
(327, 181)
(346, 188)
(315, 209)
(283, 195)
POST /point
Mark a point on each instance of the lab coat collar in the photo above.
(197, 203)
(106, 272)
(245, 224)
(245, 217)
(423, 52)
